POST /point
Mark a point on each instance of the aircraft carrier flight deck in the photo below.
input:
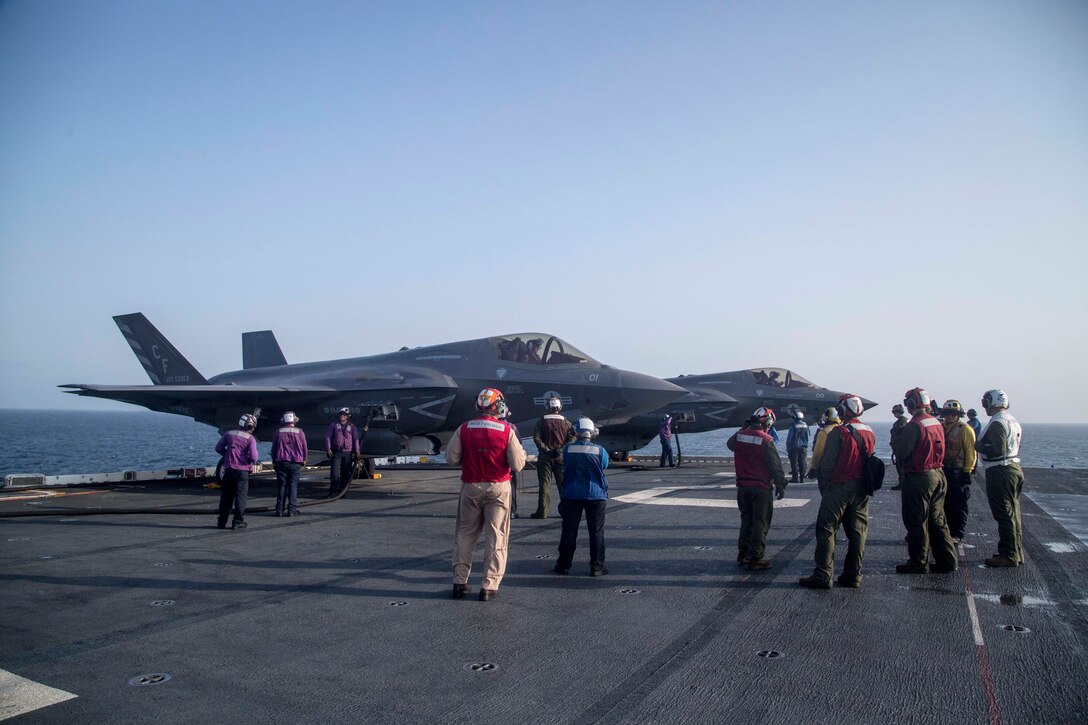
(343, 614)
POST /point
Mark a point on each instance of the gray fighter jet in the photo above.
(738, 392)
(417, 396)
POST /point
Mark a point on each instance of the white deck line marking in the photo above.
(19, 695)
(654, 497)
(976, 627)
(980, 644)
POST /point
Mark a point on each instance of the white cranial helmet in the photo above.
(585, 428)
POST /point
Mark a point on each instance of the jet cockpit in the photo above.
(780, 378)
(533, 348)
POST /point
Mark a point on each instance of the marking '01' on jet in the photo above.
(419, 396)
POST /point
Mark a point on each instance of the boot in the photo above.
(811, 582)
(850, 582)
(1000, 562)
(911, 567)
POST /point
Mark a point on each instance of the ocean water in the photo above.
(1044, 446)
(67, 442)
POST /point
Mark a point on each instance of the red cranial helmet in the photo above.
(916, 399)
(488, 399)
(764, 417)
(850, 406)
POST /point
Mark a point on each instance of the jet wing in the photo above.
(187, 399)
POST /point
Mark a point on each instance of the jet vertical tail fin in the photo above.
(161, 360)
(260, 350)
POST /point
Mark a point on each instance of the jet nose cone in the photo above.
(868, 403)
(647, 392)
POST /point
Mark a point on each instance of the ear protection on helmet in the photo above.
(489, 397)
(995, 399)
(850, 406)
(916, 399)
(952, 407)
(584, 427)
(765, 417)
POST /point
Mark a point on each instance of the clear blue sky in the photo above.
(877, 195)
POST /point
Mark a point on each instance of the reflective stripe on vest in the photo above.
(848, 466)
(748, 457)
(489, 424)
(929, 453)
(483, 445)
(1013, 435)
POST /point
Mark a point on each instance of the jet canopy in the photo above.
(535, 348)
(779, 378)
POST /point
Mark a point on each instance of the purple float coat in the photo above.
(342, 437)
(289, 444)
(239, 450)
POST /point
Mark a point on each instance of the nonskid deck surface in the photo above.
(343, 614)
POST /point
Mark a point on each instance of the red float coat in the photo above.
(750, 457)
(483, 446)
(929, 453)
(848, 466)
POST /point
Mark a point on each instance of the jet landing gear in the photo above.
(618, 456)
(362, 469)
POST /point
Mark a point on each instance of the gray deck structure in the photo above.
(343, 614)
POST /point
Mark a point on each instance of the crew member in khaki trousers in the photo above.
(488, 450)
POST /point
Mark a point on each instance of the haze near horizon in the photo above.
(874, 195)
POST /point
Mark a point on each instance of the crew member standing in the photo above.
(664, 434)
(974, 422)
(844, 498)
(515, 476)
(342, 448)
(828, 420)
(920, 449)
(959, 464)
(488, 450)
(999, 446)
(288, 455)
(797, 447)
(239, 451)
(758, 467)
(552, 432)
(585, 489)
(897, 428)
